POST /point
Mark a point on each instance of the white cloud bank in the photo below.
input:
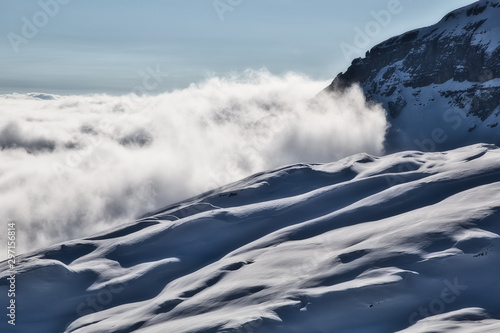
(71, 166)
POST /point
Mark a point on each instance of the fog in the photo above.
(71, 166)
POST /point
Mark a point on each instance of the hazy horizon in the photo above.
(69, 47)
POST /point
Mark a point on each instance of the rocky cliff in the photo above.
(440, 85)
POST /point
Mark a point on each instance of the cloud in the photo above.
(42, 96)
(12, 136)
(75, 165)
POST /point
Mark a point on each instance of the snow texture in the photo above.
(407, 242)
(440, 84)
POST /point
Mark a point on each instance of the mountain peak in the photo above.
(445, 76)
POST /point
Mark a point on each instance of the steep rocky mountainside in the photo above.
(441, 84)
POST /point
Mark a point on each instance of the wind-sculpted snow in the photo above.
(406, 242)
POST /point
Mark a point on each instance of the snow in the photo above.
(429, 109)
(364, 244)
(431, 116)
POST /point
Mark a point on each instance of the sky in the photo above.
(114, 46)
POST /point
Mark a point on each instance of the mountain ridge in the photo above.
(442, 77)
(355, 245)
(406, 242)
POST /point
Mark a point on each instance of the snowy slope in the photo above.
(407, 242)
(439, 84)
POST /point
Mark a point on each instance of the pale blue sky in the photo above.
(102, 46)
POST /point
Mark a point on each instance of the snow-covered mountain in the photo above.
(407, 242)
(440, 84)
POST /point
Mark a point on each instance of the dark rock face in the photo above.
(422, 74)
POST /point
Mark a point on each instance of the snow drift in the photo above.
(367, 244)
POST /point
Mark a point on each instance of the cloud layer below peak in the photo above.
(74, 165)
